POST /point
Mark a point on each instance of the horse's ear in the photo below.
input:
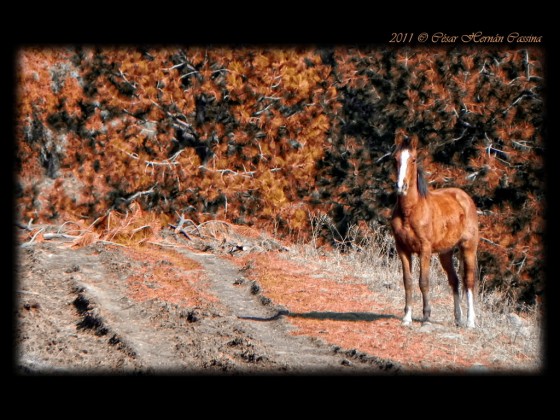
(401, 139)
(408, 142)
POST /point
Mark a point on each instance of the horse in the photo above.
(425, 222)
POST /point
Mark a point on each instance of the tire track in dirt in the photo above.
(100, 305)
(265, 324)
(76, 315)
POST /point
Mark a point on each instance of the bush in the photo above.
(263, 136)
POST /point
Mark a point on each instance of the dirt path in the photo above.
(265, 323)
(76, 314)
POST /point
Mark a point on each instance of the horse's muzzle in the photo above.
(401, 190)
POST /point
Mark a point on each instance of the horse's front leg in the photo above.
(406, 260)
(425, 259)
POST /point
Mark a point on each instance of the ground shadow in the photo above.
(334, 316)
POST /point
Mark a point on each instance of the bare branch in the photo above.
(383, 157)
(175, 66)
(491, 242)
(229, 225)
(139, 229)
(256, 114)
(49, 236)
(220, 70)
(110, 243)
(22, 226)
(176, 229)
(126, 80)
(166, 162)
(33, 238)
(522, 144)
(174, 157)
(247, 174)
(139, 194)
(188, 74)
(68, 222)
(457, 138)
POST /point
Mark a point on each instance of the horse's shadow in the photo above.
(324, 315)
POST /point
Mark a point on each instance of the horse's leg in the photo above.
(406, 260)
(469, 263)
(446, 260)
(425, 259)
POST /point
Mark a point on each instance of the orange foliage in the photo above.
(278, 132)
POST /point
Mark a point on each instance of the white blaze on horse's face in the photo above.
(401, 185)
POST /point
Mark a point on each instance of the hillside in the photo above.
(164, 306)
(271, 138)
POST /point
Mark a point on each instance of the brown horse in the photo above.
(426, 222)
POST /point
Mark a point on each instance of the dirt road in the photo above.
(92, 310)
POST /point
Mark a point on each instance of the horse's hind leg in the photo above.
(469, 262)
(425, 259)
(446, 260)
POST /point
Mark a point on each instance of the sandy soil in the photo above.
(236, 307)
(84, 311)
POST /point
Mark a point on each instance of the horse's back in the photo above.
(459, 196)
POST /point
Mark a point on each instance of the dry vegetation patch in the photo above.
(167, 276)
(350, 297)
(354, 300)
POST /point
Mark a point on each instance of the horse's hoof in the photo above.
(406, 323)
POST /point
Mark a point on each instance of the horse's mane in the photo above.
(421, 181)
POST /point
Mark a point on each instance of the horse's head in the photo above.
(405, 161)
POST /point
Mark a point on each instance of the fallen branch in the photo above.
(22, 226)
(110, 243)
(216, 221)
(139, 229)
(49, 236)
(182, 221)
(178, 230)
(70, 222)
(163, 244)
(33, 238)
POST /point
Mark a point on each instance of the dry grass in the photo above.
(353, 296)
(168, 276)
(350, 295)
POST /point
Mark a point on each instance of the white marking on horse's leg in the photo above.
(407, 319)
(402, 172)
(458, 312)
(470, 311)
